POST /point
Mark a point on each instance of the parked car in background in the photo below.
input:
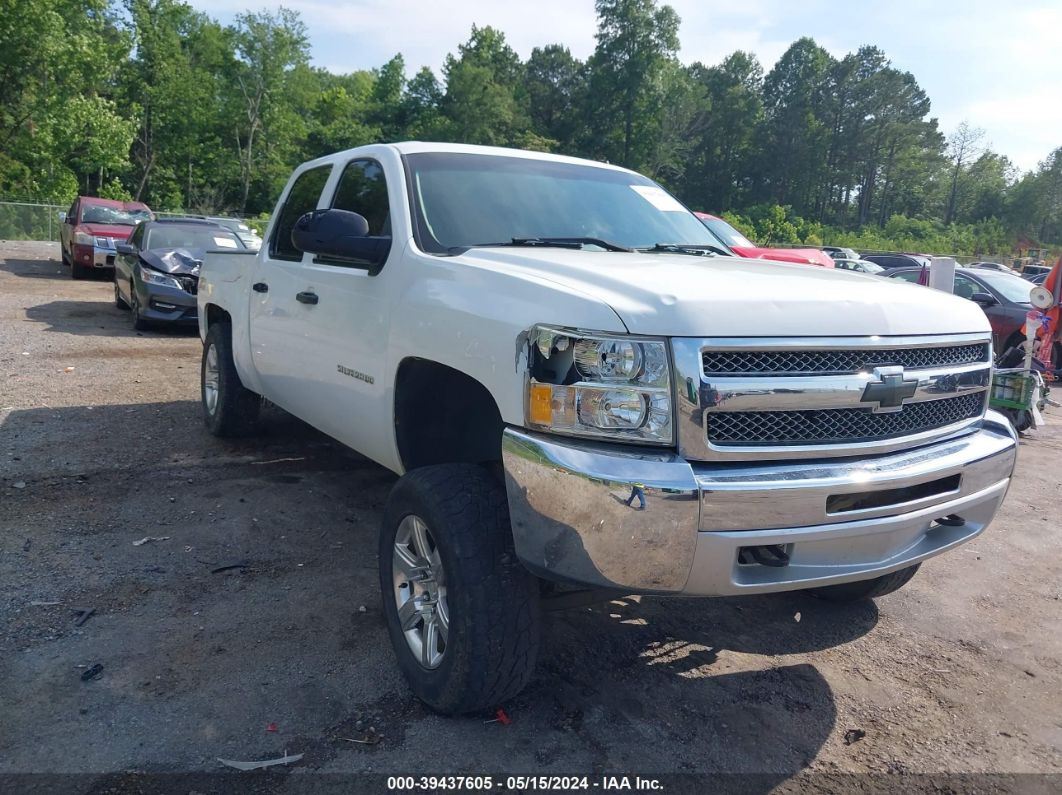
(990, 266)
(840, 252)
(91, 229)
(1003, 296)
(741, 246)
(156, 273)
(858, 265)
(239, 227)
(1029, 271)
(1038, 278)
(889, 260)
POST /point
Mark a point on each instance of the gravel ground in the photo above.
(101, 445)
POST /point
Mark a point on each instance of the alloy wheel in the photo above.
(420, 592)
(211, 378)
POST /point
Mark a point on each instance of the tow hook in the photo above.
(775, 555)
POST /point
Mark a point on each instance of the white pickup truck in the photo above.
(581, 395)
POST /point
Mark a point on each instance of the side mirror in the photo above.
(62, 217)
(124, 248)
(984, 299)
(342, 236)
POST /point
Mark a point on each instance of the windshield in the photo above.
(204, 237)
(727, 233)
(465, 200)
(1013, 288)
(99, 214)
(863, 266)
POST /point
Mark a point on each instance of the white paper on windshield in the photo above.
(224, 242)
(659, 198)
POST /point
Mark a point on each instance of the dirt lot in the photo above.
(101, 444)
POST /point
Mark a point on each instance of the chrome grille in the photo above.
(839, 426)
(838, 362)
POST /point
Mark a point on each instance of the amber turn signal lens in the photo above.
(541, 404)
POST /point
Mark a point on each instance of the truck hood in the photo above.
(678, 295)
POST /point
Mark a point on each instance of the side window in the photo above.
(362, 189)
(302, 198)
(965, 288)
(71, 217)
(908, 276)
(138, 236)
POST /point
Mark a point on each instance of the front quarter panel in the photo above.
(475, 319)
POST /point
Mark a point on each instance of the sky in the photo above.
(994, 63)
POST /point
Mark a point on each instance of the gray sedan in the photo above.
(156, 273)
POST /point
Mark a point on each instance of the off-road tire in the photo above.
(494, 615)
(866, 589)
(236, 411)
(77, 271)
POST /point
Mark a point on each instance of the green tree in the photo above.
(636, 40)
(722, 155)
(270, 49)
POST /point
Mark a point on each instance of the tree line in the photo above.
(153, 100)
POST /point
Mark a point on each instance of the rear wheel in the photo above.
(229, 408)
(866, 589)
(462, 612)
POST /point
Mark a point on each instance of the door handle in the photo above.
(306, 298)
(260, 287)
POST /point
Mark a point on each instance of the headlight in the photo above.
(84, 239)
(149, 276)
(600, 385)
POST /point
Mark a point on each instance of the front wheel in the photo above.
(137, 319)
(118, 300)
(229, 408)
(462, 612)
(866, 589)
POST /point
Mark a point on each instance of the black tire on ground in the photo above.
(492, 601)
(866, 589)
(62, 255)
(234, 408)
(77, 271)
(118, 300)
(139, 323)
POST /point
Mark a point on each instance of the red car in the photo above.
(93, 228)
(743, 247)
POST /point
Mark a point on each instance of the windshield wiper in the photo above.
(574, 243)
(694, 249)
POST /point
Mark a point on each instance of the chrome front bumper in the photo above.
(577, 516)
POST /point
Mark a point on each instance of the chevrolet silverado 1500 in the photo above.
(580, 394)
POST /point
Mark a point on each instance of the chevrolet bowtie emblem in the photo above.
(889, 389)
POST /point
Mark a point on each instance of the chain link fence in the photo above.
(29, 221)
(32, 221)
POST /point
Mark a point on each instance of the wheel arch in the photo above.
(443, 416)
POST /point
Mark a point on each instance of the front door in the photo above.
(347, 386)
(279, 321)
